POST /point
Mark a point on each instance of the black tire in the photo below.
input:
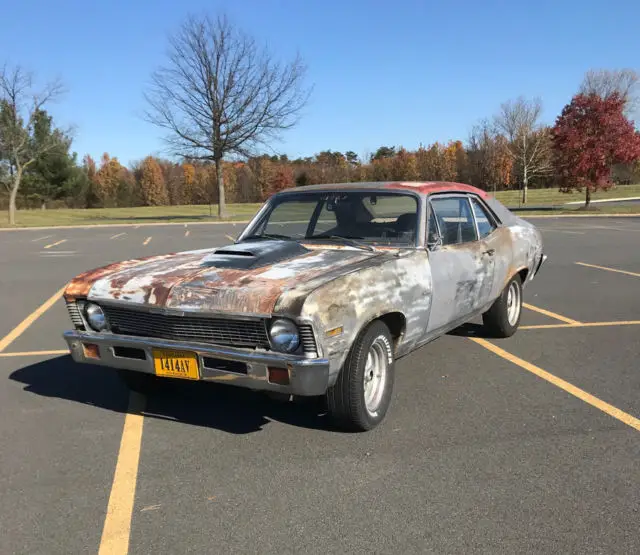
(346, 398)
(138, 381)
(496, 319)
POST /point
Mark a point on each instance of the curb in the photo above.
(526, 216)
(604, 200)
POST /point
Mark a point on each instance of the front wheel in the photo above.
(503, 318)
(361, 396)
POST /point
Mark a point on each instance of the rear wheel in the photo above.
(361, 396)
(503, 318)
(138, 381)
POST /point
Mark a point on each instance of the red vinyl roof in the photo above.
(429, 187)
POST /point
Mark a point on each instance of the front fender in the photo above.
(352, 301)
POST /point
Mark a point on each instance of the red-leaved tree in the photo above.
(281, 178)
(589, 137)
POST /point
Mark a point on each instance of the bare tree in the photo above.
(220, 94)
(605, 82)
(480, 151)
(529, 140)
(20, 106)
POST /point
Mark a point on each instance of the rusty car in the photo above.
(318, 297)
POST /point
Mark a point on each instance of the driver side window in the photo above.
(455, 220)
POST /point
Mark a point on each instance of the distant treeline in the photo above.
(58, 181)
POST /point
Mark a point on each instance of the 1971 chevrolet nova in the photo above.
(321, 293)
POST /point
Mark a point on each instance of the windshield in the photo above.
(386, 218)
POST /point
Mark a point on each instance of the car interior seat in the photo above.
(406, 224)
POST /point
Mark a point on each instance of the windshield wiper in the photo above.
(348, 240)
(269, 236)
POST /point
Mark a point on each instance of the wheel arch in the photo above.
(395, 320)
(523, 273)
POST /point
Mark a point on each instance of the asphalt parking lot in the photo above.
(529, 444)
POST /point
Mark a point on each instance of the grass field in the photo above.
(243, 212)
(138, 215)
(550, 197)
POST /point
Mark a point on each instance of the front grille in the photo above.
(219, 331)
(308, 340)
(75, 315)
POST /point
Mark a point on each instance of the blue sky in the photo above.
(396, 73)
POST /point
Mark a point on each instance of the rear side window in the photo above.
(483, 219)
(389, 207)
(455, 220)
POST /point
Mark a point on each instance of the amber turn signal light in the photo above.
(91, 350)
(279, 376)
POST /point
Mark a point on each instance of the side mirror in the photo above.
(435, 245)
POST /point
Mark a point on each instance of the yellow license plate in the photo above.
(176, 364)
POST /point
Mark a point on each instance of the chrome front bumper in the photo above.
(307, 376)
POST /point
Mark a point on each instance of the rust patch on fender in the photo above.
(80, 285)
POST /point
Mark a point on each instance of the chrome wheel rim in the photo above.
(514, 303)
(375, 375)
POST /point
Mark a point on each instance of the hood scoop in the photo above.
(253, 254)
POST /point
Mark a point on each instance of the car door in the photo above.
(497, 243)
(459, 261)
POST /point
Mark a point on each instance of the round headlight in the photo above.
(95, 317)
(284, 336)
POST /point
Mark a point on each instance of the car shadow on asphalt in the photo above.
(471, 330)
(224, 407)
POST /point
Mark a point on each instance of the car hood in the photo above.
(247, 277)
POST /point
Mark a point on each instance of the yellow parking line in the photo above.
(116, 236)
(34, 353)
(22, 326)
(582, 325)
(550, 314)
(608, 269)
(229, 237)
(146, 241)
(56, 243)
(562, 384)
(117, 523)
(549, 326)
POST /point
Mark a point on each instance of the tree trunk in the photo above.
(525, 185)
(12, 197)
(587, 200)
(222, 205)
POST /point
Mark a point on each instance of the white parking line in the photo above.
(41, 238)
(562, 231)
(54, 254)
(116, 236)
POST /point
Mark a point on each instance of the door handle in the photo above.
(490, 252)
